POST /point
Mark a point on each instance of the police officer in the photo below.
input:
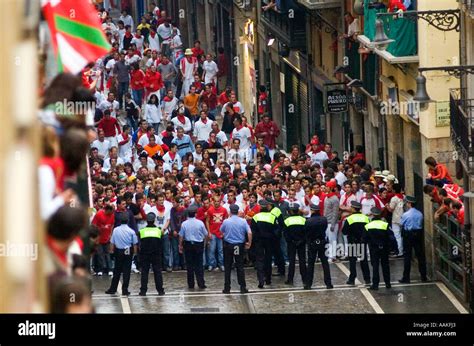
(235, 231)
(192, 235)
(380, 239)
(277, 252)
(315, 231)
(264, 227)
(354, 228)
(124, 245)
(412, 235)
(293, 231)
(151, 252)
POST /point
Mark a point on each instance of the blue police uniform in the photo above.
(193, 232)
(412, 235)
(234, 230)
(123, 238)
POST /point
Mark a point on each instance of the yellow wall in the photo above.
(436, 48)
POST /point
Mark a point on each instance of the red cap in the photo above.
(331, 184)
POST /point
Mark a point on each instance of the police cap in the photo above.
(150, 217)
(294, 206)
(410, 199)
(314, 207)
(234, 208)
(376, 211)
(263, 203)
(356, 205)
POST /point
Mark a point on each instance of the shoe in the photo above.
(203, 287)
(243, 290)
(289, 282)
(222, 268)
(191, 287)
(404, 281)
(260, 285)
(329, 287)
(367, 282)
(209, 269)
(268, 282)
(99, 274)
(111, 273)
(225, 291)
(109, 291)
(373, 288)
(424, 279)
(388, 286)
(142, 294)
(278, 274)
(350, 282)
(344, 258)
(307, 287)
(183, 268)
(168, 269)
(135, 270)
(175, 268)
(125, 293)
(161, 293)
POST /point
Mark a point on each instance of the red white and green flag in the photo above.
(76, 33)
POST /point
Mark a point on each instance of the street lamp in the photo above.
(381, 40)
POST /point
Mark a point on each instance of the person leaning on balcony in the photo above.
(437, 172)
(443, 209)
(353, 27)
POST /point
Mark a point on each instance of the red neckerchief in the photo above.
(62, 256)
(160, 208)
(138, 36)
(128, 34)
(189, 59)
(346, 197)
(164, 63)
(204, 121)
(399, 195)
(167, 98)
(172, 155)
(239, 128)
(181, 118)
(306, 202)
(152, 34)
(180, 209)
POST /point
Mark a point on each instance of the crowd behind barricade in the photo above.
(166, 135)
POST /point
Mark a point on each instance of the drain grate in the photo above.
(204, 309)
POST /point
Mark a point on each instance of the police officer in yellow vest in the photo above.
(151, 252)
(354, 228)
(380, 239)
(264, 226)
(294, 234)
(277, 252)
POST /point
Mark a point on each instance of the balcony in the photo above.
(319, 4)
(404, 49)
(287, 24)
(468, 6)
(462, 125)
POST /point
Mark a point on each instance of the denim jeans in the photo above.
(166, 251)
(215, 244)
(156, 126)
(212, 114)
(175, 254)
(284, 248)
(138, 96)
(102, 260)
(132, 122)
(122, 90)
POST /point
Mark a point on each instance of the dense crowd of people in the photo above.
(166, 137)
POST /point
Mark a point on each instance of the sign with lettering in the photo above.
(336, 101)
(442, 113)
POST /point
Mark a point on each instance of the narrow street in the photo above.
(417, 297)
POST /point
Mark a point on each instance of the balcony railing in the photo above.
(403, 31)
(288, 25)
(469, 5)
(462, 125)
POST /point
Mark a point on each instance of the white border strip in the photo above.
(451, 298)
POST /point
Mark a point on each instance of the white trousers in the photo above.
(398, 236)
(332, 241)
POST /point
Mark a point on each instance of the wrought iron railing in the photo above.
(462, 125)
(469, 4)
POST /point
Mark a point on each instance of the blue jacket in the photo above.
(185, 145)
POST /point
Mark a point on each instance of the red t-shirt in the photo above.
(105, 223)
(216, 217)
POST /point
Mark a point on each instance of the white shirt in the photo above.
(103, 147)
(110, 66)
(149, 164)
(340, 178)
(138, 42)
(221, 137)
(169, 107)
(186, 126)
(152, 113)
(353, 27)
(164, 32)
(169, 162)
(125, 150)
(176, 43)
(210, 69)
(127, 20)
(244, 135)
(129, 60)
(319, 158)
(113, 106)
(107, 163)
(236, 106)
(154, 42)
(161, 220)
(144, 140)
(202, 130)
(49, 201)
(226, 205)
